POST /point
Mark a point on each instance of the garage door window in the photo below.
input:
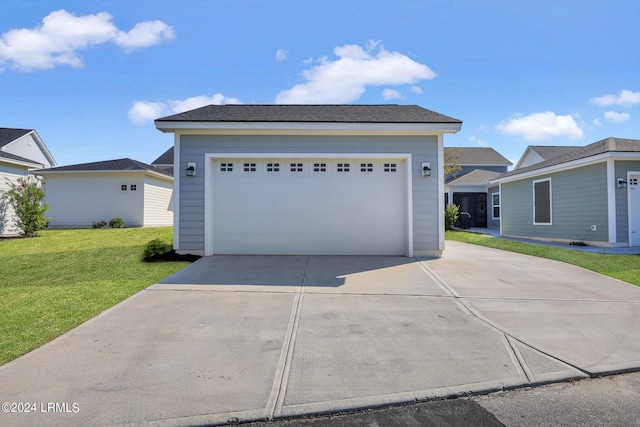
(319, 167)
(296, 167)
(366, 167)
(273, 167)
(343, 167)
(226, 167)
(390, 167)
(249, 167)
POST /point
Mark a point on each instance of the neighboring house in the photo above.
(81, 194)
(165, 161)
(309, 179)
(590, 195)
(21, 150)
(539, 153)
(469, 188)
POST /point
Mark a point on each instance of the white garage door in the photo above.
(309, 206)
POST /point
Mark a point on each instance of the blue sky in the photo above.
(90, 76)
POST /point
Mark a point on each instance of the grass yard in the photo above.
(623, 267)
(53, 283)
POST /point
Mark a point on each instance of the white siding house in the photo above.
(79, 195)
(309, 179)
(21, 150)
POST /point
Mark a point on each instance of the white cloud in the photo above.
(391, 94)
(625, 98)
(541, 126)
(479, 142)
(615, 117)
(345, 79)
(281, 55)
(143, 112)
(416, 89)
(61, 35)
(597, 122)
(307, 61)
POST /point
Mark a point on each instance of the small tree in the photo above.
(27, 198)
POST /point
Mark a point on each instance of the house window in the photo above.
(123, 187)
(390, 167)
(343, 167)
(249, 167)
(133, 187)
(542, 202)
(273, 167)
(319, 167)
(366, 167)
(226, 167)
(495, 202)
(296, 167)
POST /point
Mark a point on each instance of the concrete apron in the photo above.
(251, 338)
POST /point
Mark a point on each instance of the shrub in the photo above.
(116, 222)
(27, 197)
(156, 247)
(98, 224)
(451, 213)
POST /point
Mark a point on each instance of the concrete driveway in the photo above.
(245, 338)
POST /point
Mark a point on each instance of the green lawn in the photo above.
(623, 267)
(52, 283)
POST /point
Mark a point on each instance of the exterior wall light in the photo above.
(426, 169)
(191, 169)
(622, 183)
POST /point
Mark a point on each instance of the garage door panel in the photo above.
(309, 212)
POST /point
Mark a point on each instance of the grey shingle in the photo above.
(165, 158)
(125, 164)
(385, 113)
(550, 151)
(476, 156)
(8, 135)
(475, 177)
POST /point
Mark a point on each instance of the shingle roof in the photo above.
(352, 113)
(476, 156)
(165, 158)
(607, 145)
(11, 156)
(8, 135)
(475, 177)
(125, 164)
(550, 151)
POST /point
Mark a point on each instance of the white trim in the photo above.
(281, 128)
(176, 191)
(569, 165)
(28, 165)
(533, 187)
(493, 206)
(629, 173)
(46, 172)
(611, 201)
(501, 211)
(209, 176)
(441, 207)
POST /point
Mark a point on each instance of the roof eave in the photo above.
(44, 172)
(305, 127)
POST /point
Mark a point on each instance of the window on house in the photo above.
(226, 167)
(273, 167)
(366, 167)
(296, 167)
(495, 201)
(249, 167)
(343, 167)
(542, 202)
(133, 187)
(390, 167)
(123, 187)
(319, 167)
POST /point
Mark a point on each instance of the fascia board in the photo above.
(125, 172)
(299, 128)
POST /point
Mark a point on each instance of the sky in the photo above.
(91, 76)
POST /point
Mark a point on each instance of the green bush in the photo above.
(451, 213)
(98, 224)
(27, 197)
(116, 222)
(156, 247)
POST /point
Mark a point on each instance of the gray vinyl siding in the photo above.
(492, 223)
(426, 232)
(579, 200)
(622, 207)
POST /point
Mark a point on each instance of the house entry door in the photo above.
(634, 210)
